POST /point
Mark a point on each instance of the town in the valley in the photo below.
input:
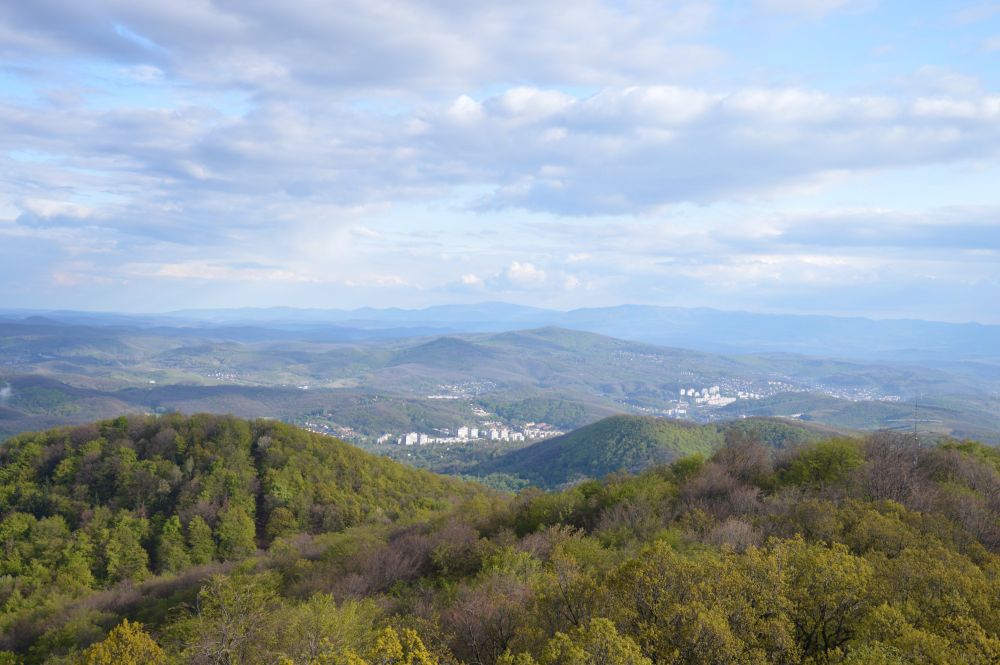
(465, 434)
(488, 432)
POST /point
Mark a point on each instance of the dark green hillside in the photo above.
(633, 443)
(87, 508)
(618, 443)
(199, 465)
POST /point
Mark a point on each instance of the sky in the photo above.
(802, 156)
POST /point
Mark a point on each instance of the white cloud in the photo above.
(472, 280)
(195, 176)
(356, 44)
(623, 151)
(525, 104)
(463, 110)
(525, 274)
(309, 146)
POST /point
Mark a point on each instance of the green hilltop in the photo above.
(121, 500)
(633, 443)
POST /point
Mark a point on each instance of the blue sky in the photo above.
(809, 156)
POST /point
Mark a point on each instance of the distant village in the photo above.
(467, 434)
(702, 397)
(696, 403)
(692, 402)
(485, 431)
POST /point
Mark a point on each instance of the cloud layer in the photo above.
(557, 153)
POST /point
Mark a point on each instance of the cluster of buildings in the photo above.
(464, 434)
(704, 397)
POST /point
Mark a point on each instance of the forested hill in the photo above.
(633, 443)
(221, 470)
(215, 541)
(88, 507)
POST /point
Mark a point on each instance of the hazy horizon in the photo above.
(834, 157)
(41, 311)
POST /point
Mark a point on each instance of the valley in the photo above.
(499, 333)
(532, 382)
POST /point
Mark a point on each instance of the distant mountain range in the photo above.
(698, 328)
(63, 368)
(703, 329)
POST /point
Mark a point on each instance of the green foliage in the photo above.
(320, 628)
(125, 556)
(171, 552)
(825, 463)
(771, 432)
(597, 643)
(710, 607)
(393, 649)
(100, 507)
(231, 623)
(835, 552)
(281, 523)
(235, 533)
(830, 591)
(200, 541)
(126, 644)
(688, 467)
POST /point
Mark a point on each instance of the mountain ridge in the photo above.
(728, 331)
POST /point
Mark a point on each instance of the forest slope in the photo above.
(89, 507)
(841, 551)
(633, 443)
